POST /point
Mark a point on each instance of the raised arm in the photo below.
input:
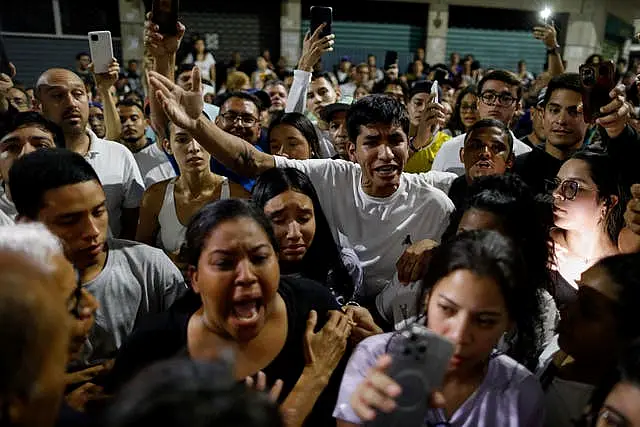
(184, 108)
(162, 49)
(312, 50)
(549, 37)
(104, 81)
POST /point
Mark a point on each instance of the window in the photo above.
(80, 17)
(27, 16)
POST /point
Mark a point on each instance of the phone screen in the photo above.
(321, 15)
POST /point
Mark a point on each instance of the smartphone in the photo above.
(597, 80)
(321, 15)
(420, 359)
(165, 14)
(101, 50)
(4, 60)
(434, 92)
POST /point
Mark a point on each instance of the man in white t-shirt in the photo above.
(499, 97)
(379, 209)
(62, 98)
(129, 279)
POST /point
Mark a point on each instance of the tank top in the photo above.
(172, 231)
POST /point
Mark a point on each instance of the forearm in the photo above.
(297, 99)
(111, 117)
(555, 64)
(233, 152)
(628, 241)
(303, 397)
(164, 65)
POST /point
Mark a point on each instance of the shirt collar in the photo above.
(93, 150)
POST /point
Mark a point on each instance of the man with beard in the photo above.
(62, 98)
(153, 162)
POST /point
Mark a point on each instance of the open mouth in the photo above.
(484, 165)
(386, 170)
(247, 311)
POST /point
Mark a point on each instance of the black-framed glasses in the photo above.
(491, 97)
(568, 188)
(246, 120)
(74, 302)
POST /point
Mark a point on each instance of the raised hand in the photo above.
(412, 264)
(433, 117)
(364, 327)
(548, 35)
(618, 113)
(6, 81)
(313, 48)
(161, 44)
(105, 80)
(182, 107)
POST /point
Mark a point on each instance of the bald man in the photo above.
(35, 339)
(62, 98)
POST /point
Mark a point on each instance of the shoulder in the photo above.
(158, 189)
(137, 253)
(431, 187)
(300, 291)
(507, 374)
(520, 147)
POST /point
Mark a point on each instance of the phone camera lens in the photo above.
(94, 37)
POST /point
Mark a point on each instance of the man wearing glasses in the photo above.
(240, 116)
(499, 99)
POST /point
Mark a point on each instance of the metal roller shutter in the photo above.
(498, 49)
(359, 39)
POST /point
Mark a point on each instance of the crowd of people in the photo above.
(184, 246)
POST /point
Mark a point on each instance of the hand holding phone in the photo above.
(321, 15)
(420, 359)
(598, 80)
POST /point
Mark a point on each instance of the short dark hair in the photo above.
(184, 392)
(377, 108)
(491, 123)
(129, 102)
(31, 118)
(81, 54)
(503, 76)
(568, 81)
(242, 95)
(214, 214)
(182, 68)
(31, 176)
(300, 122)
(322, 75)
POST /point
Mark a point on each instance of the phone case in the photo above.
(597, 80)
(101, 50)
(420, 360)
(320, 15)
(165, 14)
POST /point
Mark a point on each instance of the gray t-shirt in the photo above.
(136, 280)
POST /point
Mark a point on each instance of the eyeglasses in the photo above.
(568, 188)
(74, 302)
(490, 98)
(246, 120)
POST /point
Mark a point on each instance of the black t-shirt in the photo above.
(165, 335)
(536, 168)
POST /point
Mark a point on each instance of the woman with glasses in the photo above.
(593, 333)
(588, 209)
(293, 136)
(465, 112)
(472, 296)
(167, 206)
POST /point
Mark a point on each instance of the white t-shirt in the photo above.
(376, 227)
(5, 219)
(119, 176)
(154, 165)
(204, 66)
(6, 205)
(448, 157)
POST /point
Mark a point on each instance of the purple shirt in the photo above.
(509, 396)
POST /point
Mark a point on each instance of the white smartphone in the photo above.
(101, 50)
(436, 99)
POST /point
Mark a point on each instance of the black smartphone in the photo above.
(420, 359)
(597, 80)
(321, 15)
(165, 15)
(4, 60)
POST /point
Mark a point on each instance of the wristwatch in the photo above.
(553, 50)
(411, 146)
